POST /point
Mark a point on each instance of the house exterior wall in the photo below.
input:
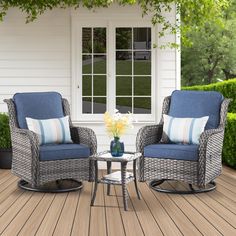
(39, 57)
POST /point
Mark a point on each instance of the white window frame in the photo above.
(76, 89)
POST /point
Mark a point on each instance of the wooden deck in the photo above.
(26, 213)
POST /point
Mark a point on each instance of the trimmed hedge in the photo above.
(227, 88)
(5, 136)
(229, 148)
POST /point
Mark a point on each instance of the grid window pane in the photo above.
(123, 38)
(99, 64)
(99, 85)
(124, 85)
(87, 85)
(124, 104)
(94, 69)
(142, 105)
(133, 69)
(142, 85)
(87, 40)
(87, 64)
(99, 105)
(87, 105)
(123, 63)
(142, 38)
(142, 63)
(99, 40)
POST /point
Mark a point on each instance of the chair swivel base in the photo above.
(58, 186)
(156, 185)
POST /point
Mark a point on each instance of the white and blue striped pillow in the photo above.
(184, 130)
(51, 130)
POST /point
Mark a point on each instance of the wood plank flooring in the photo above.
(27, 213)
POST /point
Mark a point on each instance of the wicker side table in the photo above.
(127, 157)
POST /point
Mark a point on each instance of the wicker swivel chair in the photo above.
(64, 166)
(196, 165)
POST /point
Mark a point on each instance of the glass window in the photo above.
(124, 38)
(133, 70)
(94, 70)
(142, 38)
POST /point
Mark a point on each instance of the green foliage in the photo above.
(196, 12)
(227, 88)
(210, 54)
(229, 148)
(5, 137)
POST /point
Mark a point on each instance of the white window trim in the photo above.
(77, 25)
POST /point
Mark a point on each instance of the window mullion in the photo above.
(132, 58)
(92, 72)
(111, 49)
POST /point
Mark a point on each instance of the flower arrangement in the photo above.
(118, 124)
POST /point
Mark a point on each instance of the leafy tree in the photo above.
(211, 54)
(196, 12)
(198, 18)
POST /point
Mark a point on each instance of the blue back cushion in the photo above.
(195, 104)
(43, 105)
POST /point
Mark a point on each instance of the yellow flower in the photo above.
(117, 124)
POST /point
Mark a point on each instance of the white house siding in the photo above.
(37, 57)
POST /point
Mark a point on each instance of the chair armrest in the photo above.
(148, 135)
(85, 136)
(208, 133)
(25, 143)
(210, 151)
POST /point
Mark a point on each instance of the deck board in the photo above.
(181, 220)
(50, 220)
(26, 213)
(210, 215)
(65, 222)
(164, 220)
(33, 223)
(82, 212)
(97, 224)
(130, 221)
(113, 216)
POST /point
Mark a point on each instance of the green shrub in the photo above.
(5, 137)
(229, 148)
(227, 88)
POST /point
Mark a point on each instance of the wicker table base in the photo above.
(58, 186)
(105, 156)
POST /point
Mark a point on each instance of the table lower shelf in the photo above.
(106, 181)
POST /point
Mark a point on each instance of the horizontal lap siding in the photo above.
(35, 57)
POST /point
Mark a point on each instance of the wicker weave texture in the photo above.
(26, 163)
(200, 172)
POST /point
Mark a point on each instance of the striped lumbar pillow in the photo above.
(183, 130)
(51, 130)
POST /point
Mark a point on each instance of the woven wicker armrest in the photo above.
(85, 136)
(26, 142)
(210, 133)
(210, 149)
(148, 135)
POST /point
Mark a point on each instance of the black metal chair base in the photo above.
(58, 186)
(156, 185)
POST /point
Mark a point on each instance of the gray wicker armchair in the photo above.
(198, 173)
(27, 164)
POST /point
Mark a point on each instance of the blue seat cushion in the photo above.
(43, 105)
(195, 104)
(172, 151)
(63, 151)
